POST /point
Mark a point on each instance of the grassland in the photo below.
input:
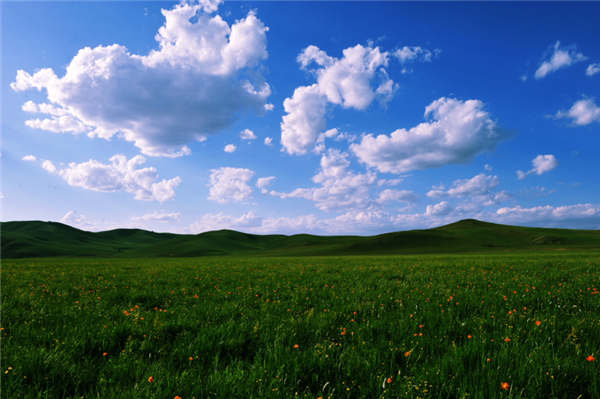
(427, 326)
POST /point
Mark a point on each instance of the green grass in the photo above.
(37, 239)
(240, 318)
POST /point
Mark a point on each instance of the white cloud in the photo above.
(29, 158)
(120, 174)
(347, 81)
(230, 184)
(193, 85)
(304, 119)
(75, 219)
(389, 195)
(367, 221)
(293, 225)
(268, 141)
(49, 166)
(488, 167)
(247, 134)
(583, 215)
(389, 182)
(230, 148)
(439, 209)
(210, 6)
(480, 184)
(583, 112)
(472, 193)
(157, 217)
(338, 187)
(269, 107)
(541, 164)
(320, 143)
(263, 182)
(219, 221)
(458, 131)
(592, 69)
(560, 58)
(415, 53)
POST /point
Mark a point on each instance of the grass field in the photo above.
(440, 326)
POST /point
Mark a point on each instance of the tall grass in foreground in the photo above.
(493, 326)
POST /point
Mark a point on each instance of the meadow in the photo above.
(506, 325)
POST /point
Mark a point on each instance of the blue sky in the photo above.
(279, 117)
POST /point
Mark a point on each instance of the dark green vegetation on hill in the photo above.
(437, 326)
(38, 239)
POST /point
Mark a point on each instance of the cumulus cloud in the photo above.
(414, 54)
(458, 130)
(577, 215)
(320, 143)
(157, 217)
(561, 57)
(366, 221)
(81, 221)
(29, 158)
(389, 182)
(389, 195)
(473, 193)
(49, 166)
(230, 148)
(230, 184)
(355, 222)
(337, 186)
(120, 174)
(304, 119)
(477, 185)
(439, 209)
(263, 182)
(196, 83)
(219, 221)
(541, 164)
(247, 134)
(268, 141)
(592, 69)
(73, 218)
(353, 81)
(583, 112)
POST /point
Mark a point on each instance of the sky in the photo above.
(300, 117)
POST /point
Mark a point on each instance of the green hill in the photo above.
(43, 239)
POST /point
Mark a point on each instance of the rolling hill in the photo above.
(47, 239)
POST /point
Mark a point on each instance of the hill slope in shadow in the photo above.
(45, 239)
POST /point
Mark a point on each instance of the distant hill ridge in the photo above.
(47, 239)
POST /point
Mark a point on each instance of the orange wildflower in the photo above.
(538, 322)
(191, 358)
(469, 336)
(389, 380)
(177, 397)
(105, 354)
(506, 339)
(505, 386)
(407, 354)
(150, 379)
(590, 358)
(296, 346)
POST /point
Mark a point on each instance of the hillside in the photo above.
(45, 239)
